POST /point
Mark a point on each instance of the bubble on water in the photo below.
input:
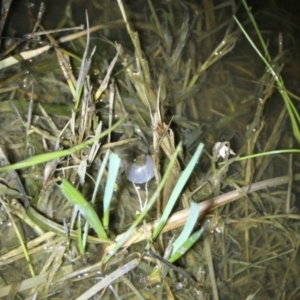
(140, 174)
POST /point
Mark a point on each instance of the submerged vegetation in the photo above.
(137, 155)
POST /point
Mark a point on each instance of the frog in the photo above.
(134, 153)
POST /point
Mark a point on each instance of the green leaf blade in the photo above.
(85, 208)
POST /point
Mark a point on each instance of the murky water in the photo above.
(209, 92)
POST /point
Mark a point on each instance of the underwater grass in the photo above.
(42, 158)
(84, 69)
(34, 218)
(294, 115)
(177, 191)
(96, 188)
(113, 169)
(144, 212)
(186, 238)
(22, 242)
(59, 110)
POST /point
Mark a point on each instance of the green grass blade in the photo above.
(113, 169)
(99, 176)
(186, 245)
(267, 55)
(42, 158)
(177, 190)
(282, 151)
(95, 192)
(80, 241)
(266, 62)
(85, 208)
(293, 113)
(188, 227)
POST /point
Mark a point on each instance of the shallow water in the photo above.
(253, 243)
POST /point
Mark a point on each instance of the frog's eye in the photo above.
(140, 174)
